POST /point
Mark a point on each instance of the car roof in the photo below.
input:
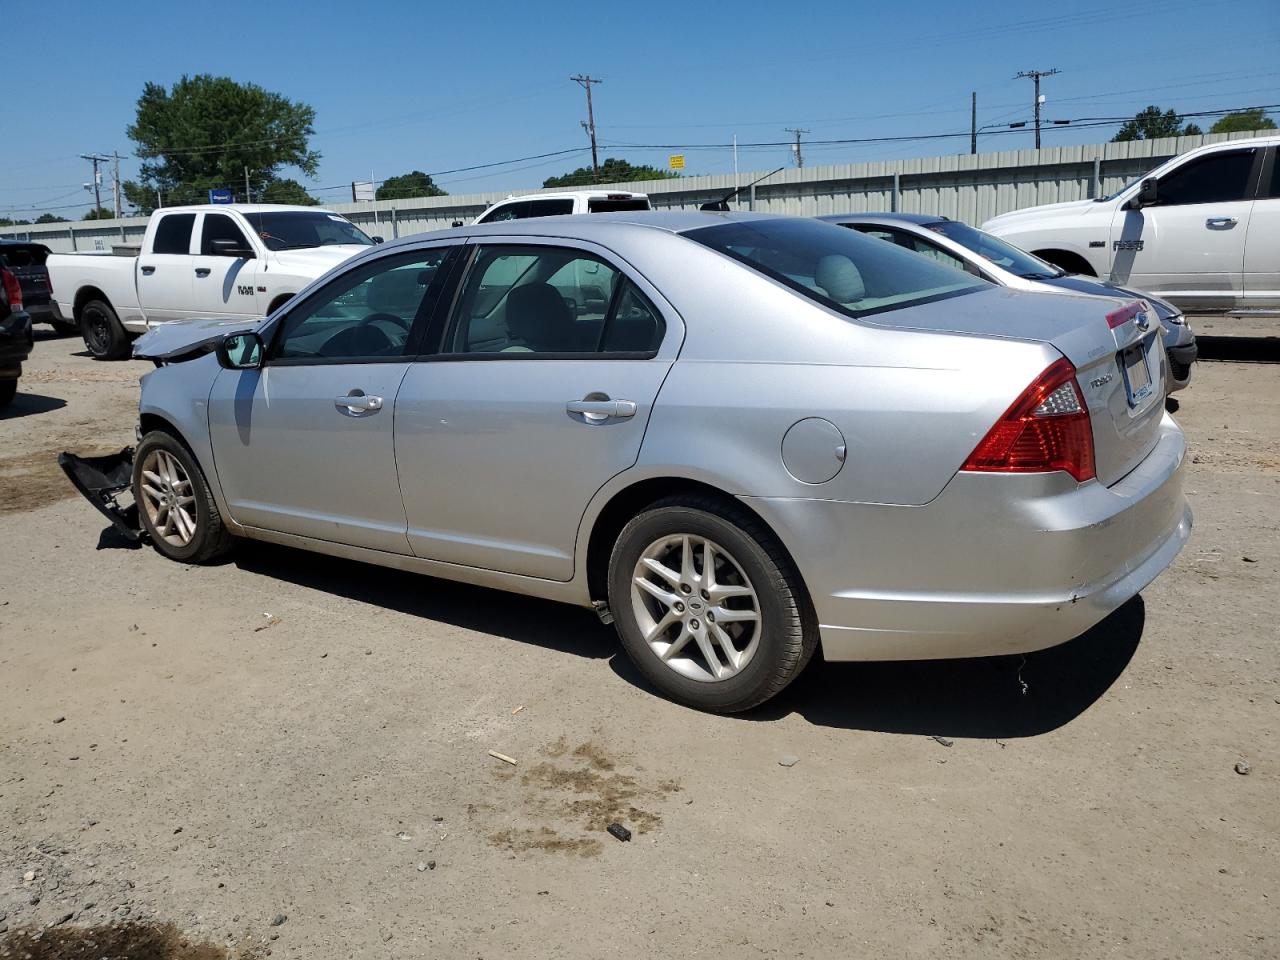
(883, 218)
(244, 208)
(560, 194)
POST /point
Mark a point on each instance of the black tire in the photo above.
(211, 539)
(104, 336)
(8, 390)
(66, 328)
(788, 629)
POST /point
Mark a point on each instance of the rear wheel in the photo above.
(104, 336)
(175, 505)
(708, 605)
(8, 390)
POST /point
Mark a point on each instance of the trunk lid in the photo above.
(26, 261)
(1114, 344)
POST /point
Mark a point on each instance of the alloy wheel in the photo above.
(696, 608)
(168, 497)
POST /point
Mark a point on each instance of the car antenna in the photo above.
(722, 205)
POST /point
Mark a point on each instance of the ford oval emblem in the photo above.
(1143, 320)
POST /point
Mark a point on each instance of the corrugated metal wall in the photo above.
(972, 188)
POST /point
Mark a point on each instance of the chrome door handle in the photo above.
(148, 271)
(202, 271)
(596, 411)
(1221, 222)
(357, 403)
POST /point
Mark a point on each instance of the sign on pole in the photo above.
(220, 195)
(362, 191)
(677, 161)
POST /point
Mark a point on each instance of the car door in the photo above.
(223, 286)
(304, 445)
(164, 274)
(539, 394)
(1262, 242)
(1191, 242)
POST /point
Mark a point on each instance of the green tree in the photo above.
(1151, 124)
(413, 184)
(6, 222)
(101, 213)
(286, 191)
(51, 218)
(611, 171)
(207, 131)
(1243, 120)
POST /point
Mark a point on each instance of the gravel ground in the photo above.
(290, 754)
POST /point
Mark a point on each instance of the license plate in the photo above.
(1137, 375)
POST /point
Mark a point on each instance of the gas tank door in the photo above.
(813, 450)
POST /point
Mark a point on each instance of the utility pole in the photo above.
(115, 182)
(95, 159)
(1036, 75)
(973, 122)
(585, 82)
(248, 197)
(796, 149)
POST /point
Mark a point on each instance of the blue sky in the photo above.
(437, 86)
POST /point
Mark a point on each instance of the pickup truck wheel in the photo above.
(105, 338)
(8, 390)
(175, 505)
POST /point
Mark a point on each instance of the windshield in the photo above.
(839, 268)
(298, 229)
(1003, 255)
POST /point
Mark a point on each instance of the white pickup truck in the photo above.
(563, 202)
(241, 260)
(1201, 230)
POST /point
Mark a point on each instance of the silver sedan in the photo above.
(738, 437)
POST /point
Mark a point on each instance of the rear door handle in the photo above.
(202, 271)
(596, 411)
(1221, 222)
(148, 271)
(357, 404)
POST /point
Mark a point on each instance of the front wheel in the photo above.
(175, 505)
(707, 604)
(104, 335)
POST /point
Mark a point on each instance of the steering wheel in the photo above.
(400, 322)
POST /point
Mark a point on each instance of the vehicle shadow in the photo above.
(1239, 349)
(982, 698)
(30, 404)
(556, 626)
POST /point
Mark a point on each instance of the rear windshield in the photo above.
(23, 254)
(613, 206)
(1002, 254)
(297, 230)
(838, 268)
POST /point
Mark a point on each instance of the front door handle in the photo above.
(598, 407)
(202, 271)
(148, 271)
(1213, 222)
(356, 404)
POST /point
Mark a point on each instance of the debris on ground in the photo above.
(278, 919)
(945, 741)
(503, 757)
(1243, 767)
(517, 710)
(272, 620)
(59, 719)
(787, 760)
(619, 831)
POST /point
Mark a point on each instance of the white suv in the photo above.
(567, 202)
(1201, 230)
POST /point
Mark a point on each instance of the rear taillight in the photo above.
(12, 289)
(1046, 429)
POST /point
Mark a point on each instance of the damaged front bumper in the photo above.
(101, 480)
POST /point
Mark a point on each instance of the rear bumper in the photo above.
(16, 340)
(994, 565)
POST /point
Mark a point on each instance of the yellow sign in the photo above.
(677, 161)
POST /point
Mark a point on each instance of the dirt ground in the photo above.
(289, 754)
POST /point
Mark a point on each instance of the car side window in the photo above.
(366, 314)
(1217, 178)
(507, 211)
(218, 226)
(173, 233)
(550, 208)
(519, 301)
(937, 253)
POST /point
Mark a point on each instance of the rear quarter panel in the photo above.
(73, 273)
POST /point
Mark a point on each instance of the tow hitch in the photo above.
(101, 480)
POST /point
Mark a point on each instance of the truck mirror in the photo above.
(229, 248)
(1146, 195)
(377, 240)
(240, 351)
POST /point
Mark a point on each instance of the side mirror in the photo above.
(230, 248)
(241, 351)
(378, 239)
(1146, 195)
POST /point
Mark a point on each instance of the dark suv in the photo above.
(15, 335)
(26, 261)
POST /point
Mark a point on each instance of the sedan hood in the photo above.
(183, 339)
